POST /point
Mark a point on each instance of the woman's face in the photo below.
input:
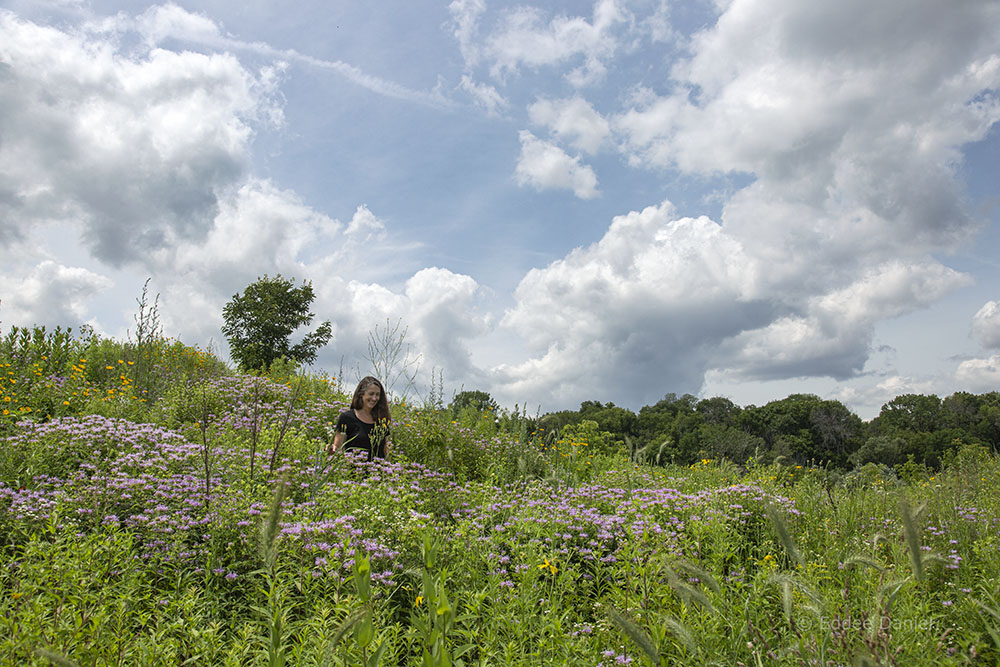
(370, 397)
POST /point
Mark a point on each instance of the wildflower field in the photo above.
(157, 509)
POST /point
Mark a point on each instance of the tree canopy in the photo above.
(259, 323)
(801, 428)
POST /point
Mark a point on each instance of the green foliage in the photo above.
(483, 540)
(33, 382)
(259, 323)
(588, 433)
(479, 401)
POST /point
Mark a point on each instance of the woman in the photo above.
(369, 412)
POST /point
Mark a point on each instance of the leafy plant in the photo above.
(260, 321)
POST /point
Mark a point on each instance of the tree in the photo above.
(837, 432)
(718, 410)
(260, 322)
(480, 401)
(620, 422)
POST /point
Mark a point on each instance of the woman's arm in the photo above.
(338, 441)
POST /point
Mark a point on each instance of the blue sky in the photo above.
(560, 201)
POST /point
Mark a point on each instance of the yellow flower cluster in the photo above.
(547, 565)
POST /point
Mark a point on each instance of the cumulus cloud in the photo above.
(443, 313)
(851, 128)
(980, 375)
(894, 385)
(364, 226)
(263, 229)
(833, 335)
(543, 165)
(848, 133)
(433, 318)
(573, 120)
(51, 295)
(258, 229)
(661, 301)
(851, 142)
(986, 325)
(135, 149)
(170, 21)
(642, 309)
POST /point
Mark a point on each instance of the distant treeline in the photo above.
(802, 429)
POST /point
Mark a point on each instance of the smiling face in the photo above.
(369, 396)
(369, 399)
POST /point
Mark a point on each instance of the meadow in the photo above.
(157, 508)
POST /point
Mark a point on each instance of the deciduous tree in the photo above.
(259, 323)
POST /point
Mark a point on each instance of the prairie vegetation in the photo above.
(156, 508)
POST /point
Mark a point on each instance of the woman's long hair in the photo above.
(381, 410)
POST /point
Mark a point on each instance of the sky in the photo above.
(556, 202)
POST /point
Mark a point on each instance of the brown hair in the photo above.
(381, 409)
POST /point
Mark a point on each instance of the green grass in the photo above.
(184, 515)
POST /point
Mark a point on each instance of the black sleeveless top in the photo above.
(359, 435)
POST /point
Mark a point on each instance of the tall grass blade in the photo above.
(345, 627)
(990, 628)
(912, 540)
(687, 592)
(702, 575)
(682, 634)
(784, 536)
(635, 633)
(889, 592)
(268, 543)
(864, 560)
(788, 585)
(787, 597)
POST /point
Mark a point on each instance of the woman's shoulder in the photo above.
(347, 415)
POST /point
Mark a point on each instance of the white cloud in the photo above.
(258, 229)
(135, 149)
(833, 335)
(51, 295)
(442, 310)
(642, 309)
(434, 317)
(162, 22)
(543, 165)
(979, 375)
(485, 96)
(526, 40)
(573, 120)
(465, 19)
(170, 21)
(145, 154)
(659, 302)
(659, 24)
(364, 226)
(852, 149)
(986, 325)
(851, 126)
(848, 120)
